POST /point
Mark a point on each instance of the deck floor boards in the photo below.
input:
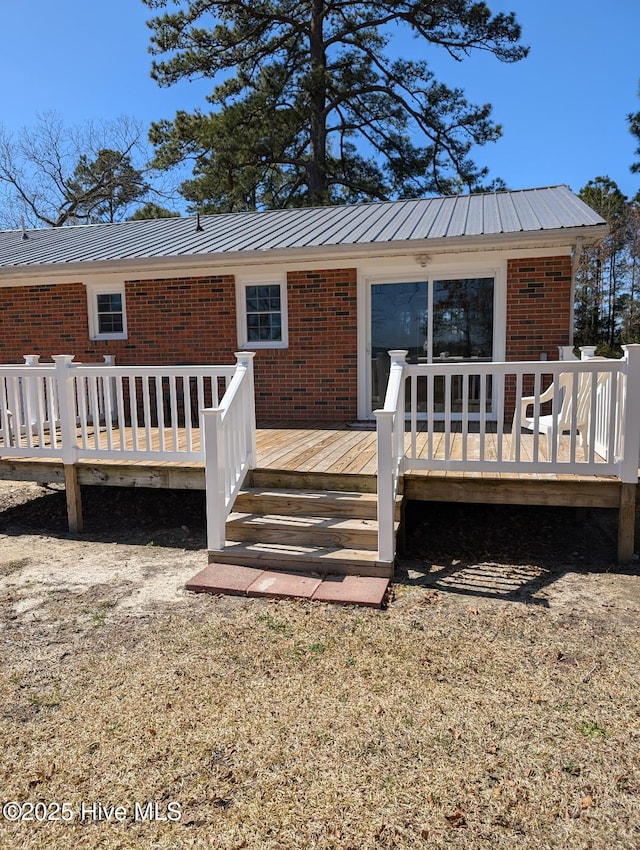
(337, 450)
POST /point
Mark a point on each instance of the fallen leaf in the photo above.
(587, 801)
(430, 596)
(457, 819)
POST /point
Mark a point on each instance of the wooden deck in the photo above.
(335, 457)
(342, 457)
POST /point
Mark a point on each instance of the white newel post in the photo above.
(631, 423)
(631, 450)
(587, 352)
(33, 399)
(214, 477)
(245, 361)
(565, 352)
(67, 410)
(67, 405)
(390, 446)
(384, 429)
(398, 360)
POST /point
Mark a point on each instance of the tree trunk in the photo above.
(317, 161)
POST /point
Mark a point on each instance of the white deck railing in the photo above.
(72, 412)
(230, 441)
(77, 412)
(472, 417)
(390, 445)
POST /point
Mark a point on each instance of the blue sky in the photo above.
(563, 110)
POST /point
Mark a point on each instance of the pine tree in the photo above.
(309, 105)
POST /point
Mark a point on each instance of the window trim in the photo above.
(241, 312)
(93, 290)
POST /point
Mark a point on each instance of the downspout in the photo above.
(576, 256)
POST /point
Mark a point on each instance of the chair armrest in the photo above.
(527, 401)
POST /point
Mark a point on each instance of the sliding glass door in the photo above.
(435, 320)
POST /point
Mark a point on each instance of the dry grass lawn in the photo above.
(450, 720)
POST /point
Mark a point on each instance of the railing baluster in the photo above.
(82, 402)
(447, 416)
(159, 401)
(105, 396)
(132, 392)
(483, 415)
(573, 430)
(465, 414)
(118, 392)
(536, 416)
(146, 412)
(186, 394)
(95, 411)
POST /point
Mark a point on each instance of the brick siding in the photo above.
(538, 307)
(315, 378)
(193, 320)
(42, 320)
(538, 315)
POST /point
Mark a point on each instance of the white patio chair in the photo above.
(7, 436)
(561, 394)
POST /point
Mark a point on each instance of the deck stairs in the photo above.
(291, 526)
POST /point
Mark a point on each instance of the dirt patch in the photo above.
(492, 705)
(144, 544)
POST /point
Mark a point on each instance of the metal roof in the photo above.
(527, 211)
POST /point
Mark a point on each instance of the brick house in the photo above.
(320, 294)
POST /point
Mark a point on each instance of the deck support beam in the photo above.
(626, 523)
(74, 498)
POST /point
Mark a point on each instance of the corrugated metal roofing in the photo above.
(490, 215)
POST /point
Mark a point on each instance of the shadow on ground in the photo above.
(503, 551)
(493, 551)
(129, 515)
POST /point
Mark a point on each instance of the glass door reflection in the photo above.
(448, 320)
(399, 319)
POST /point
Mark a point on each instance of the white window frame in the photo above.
(241, 312)
(95, 289)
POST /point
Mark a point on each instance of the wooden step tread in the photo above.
(351, 532)
(270, 500)
(322, 560)
(302, 522)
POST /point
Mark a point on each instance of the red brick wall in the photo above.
(42, 320)
(538, 307)
(193, 320)
(538, 315)
(177, 320)
(315, 378)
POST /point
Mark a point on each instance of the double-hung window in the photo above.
(262, 314)
(107, 311)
